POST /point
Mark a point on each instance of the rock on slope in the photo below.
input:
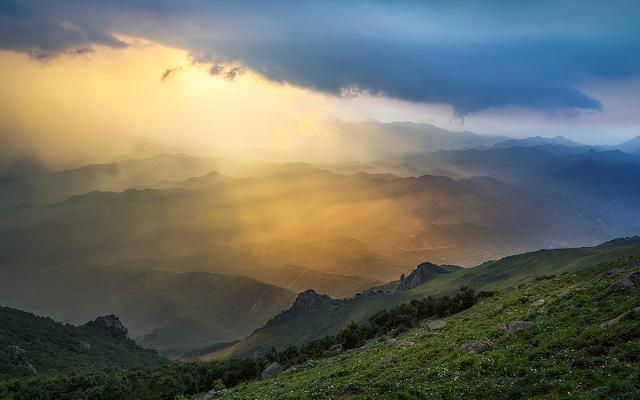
(423, 273)
(305, 302)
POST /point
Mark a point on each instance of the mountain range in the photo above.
(164, 241)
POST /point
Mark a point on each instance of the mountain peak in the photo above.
(110, 323)
(632, 145)
(308, 300)
(305, 302)
(423, 273)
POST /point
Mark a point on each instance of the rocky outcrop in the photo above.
(476, 347)
(306, 302)
(110, 323)
(626, 280)
(423, 273)
(400, 342)
(436, 324)
(516, 326)
(617, 319)
(272, 370)
(387, 358)
(18, 356)
(610, 272)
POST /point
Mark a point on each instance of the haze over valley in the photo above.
(141, 230)
(294, 200)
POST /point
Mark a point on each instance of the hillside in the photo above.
(579, 338)
(570, 335)
(327, 319)
(169, 311)
(612, 179)
(46, 347)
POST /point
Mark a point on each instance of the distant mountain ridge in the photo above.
(537, 141)
(380, 138)
(610, 178)
(517, 163)
(274, 230)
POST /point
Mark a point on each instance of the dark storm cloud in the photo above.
(473, 55)
(34, 28)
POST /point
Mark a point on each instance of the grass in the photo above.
(493, 275)
(519, 268)
(566, 354)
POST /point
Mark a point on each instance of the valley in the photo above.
(306, 200)
(140, 232)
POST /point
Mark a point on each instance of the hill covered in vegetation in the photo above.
(33, 345)
(329, 317)
(573, 334)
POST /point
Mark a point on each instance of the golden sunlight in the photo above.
(78, 105)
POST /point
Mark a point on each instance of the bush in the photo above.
(177, 380)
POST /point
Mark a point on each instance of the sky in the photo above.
(76, 75)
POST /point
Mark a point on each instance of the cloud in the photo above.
(229, 74)
(233, 73)
(170, 72)
(472, 55)
(43, 32)
(216, 69)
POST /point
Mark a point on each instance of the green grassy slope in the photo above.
(55, 348)
(519, 268)
(567, 353)
(503, 273)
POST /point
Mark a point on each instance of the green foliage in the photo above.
(490, 276)
(567, 353)
(166, 382)
(54, 348)
(393, 321)
(170, 381)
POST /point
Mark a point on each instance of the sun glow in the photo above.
(74, 104)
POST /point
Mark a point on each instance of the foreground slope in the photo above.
(33, 345)
(572, 335)
(580, 339)
(329, 318)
